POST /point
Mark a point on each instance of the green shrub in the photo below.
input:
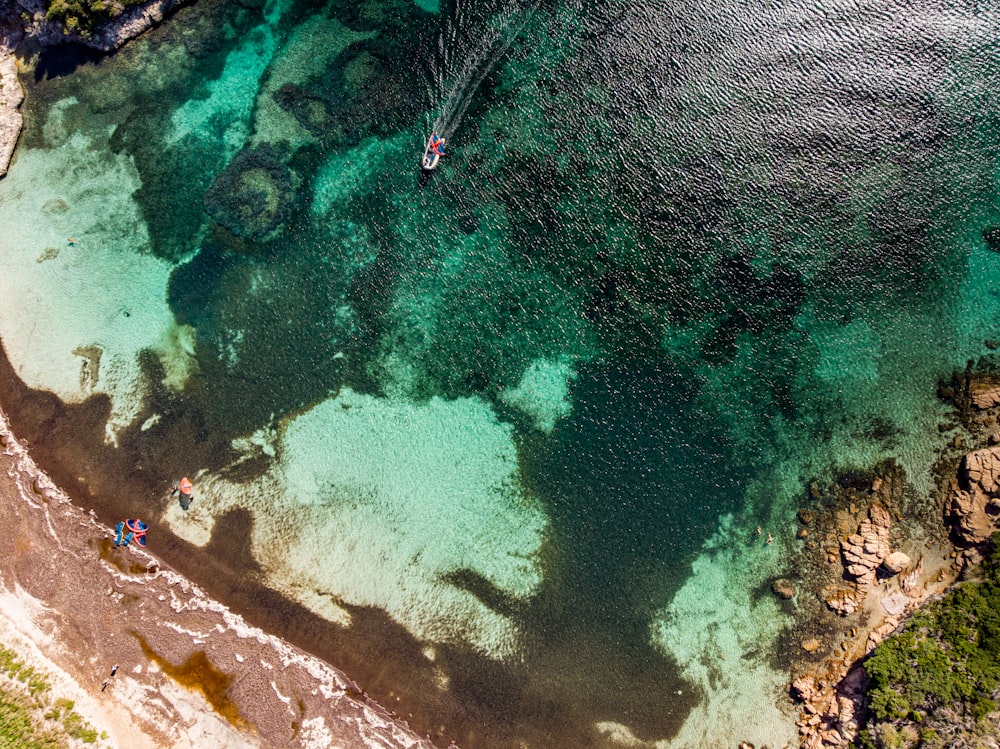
(12, 667)
(84, 16)
(945, 661)
(18, 728)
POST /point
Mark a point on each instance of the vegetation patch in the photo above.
(937, 683)
(83, 16)
(29, 716)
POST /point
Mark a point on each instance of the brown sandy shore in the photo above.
(192, 673)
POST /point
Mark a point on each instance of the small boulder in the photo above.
(806, 517)
(783, 588)
(984, 394)
(896, 562)
(811, 645)
(803, 688)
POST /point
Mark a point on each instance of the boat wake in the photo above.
(468, 49)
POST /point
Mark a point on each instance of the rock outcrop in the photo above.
(984, 393)
(11, 96)
(879, 587)
(974, 509)
(862, 553)
(832, 693)
(11, 93)
(133, 21)
(895, 562)
(783, 588)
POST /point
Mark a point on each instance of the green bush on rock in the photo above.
(85, 15)
(936, 683)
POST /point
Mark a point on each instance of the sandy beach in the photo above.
(191, 672)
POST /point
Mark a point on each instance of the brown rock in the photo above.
(803, 688)
(871, 545)
(811, 645)
(876, 484)
(842, 603)
(806, 517)
(803, 532)
(961, 503)
(984, 394)
(970, 517)
(896, 562)
(879, 515)
(783, 588)
(858, 570)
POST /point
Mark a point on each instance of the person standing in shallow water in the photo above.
(186, 491)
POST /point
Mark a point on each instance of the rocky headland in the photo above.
(874, 551)
(20, 19)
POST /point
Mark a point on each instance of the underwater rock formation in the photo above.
(252, 196)
(368, 92)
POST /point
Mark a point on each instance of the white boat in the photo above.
(433, 153)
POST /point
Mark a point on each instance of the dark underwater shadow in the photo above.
(62, 60)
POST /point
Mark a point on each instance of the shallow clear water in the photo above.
(517, 421)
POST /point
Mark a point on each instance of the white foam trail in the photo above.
(453, 84)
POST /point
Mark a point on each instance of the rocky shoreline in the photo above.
(20, 19)
(11, 93)
(190, 672)
(871, 557)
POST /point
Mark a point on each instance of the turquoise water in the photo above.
(517, 422)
